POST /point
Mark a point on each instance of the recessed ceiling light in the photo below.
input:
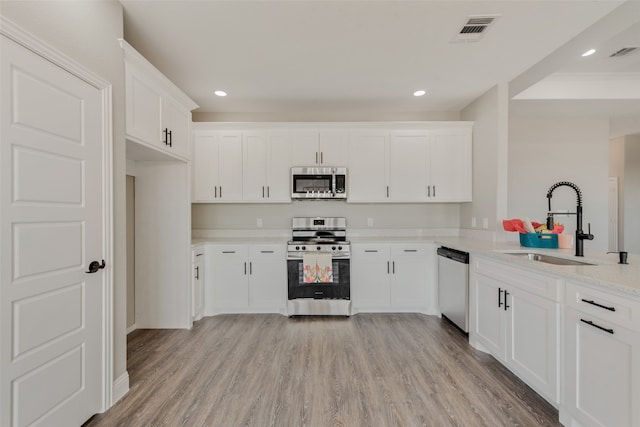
(419, 93)
(220, 93)
(589, 52)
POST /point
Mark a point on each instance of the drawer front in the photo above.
(228, 250)
(370, 250)
(399, 250)
(526, 280)
(612, 308)
(265, 251)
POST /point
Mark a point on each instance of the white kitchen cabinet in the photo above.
(319, 148)
(367, 174)
(409, 166)
(450, 166)
(266, 165)
(246, 279)
(158, 114)
(514, 315)
(602, 359)
(393, 277)
(197, 291)
(217, 166)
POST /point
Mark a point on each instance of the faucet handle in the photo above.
(589, 236)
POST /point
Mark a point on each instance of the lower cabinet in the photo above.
(245, 278)
(197, 283)
(514, 315)
(393, 277)
(602, 359)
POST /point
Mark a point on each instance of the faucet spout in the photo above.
(581, 236)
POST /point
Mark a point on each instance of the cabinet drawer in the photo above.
(228, 250)
(264, 251)
(612, 308)
(398, 250)
(370, 250)
(528, 281)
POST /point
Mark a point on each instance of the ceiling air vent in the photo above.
(474, 28)
(623, 52)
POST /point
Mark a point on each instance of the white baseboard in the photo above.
(120, 387)
(131, 328)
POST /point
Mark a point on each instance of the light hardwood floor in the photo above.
(367, 370)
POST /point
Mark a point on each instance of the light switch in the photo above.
(369, 222)
(259, 223)
(485, 223)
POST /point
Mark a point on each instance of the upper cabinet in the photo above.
(386, 162)
(158, 114)
(319, 148)
(429, 164)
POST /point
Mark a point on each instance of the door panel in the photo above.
(51, 227)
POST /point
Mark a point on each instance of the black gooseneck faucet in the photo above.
(581, 236)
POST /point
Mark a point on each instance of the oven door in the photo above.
(339, 288)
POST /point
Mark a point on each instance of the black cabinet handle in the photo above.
(266, 252)
(499, 297)
(428, 191)
(95, 266)
(506, 306)
(394, 267)
(170, 138)
(388, 271)
(197, 273)
(411, 250)
(321, 157)
(434, 191)
(387, 191)
(263, 191)
(268, 195)
(216, 191)
(371, 250)
(228, 252)
(199, 254)
(590, 323)
(221, 191)
(598, 305)
(245, 268)
(250, 268)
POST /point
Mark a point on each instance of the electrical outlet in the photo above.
(369, 222)
(485, 223)
(259, 223)
(474, 223)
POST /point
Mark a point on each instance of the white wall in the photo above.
(278, 216)
(490, 116)
(543, 151)
(624, 125)
(88, 33)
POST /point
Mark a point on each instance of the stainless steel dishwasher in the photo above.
(453, 286)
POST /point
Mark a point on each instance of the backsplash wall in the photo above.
(211, 216)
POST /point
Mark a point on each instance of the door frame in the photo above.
(53, 55)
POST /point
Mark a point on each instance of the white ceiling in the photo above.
(370, 56)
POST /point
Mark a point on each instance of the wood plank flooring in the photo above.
(367, 370)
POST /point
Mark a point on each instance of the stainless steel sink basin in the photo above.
(548, 259)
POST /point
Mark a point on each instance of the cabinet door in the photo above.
(532, 347)
(451, 166)
(267, 278)
(370, 278)
(229, 278)
(230, 167)
(254, 166)
(279, 168)
(205, 166)
(197, 291)
(409, 273)
(368, 167)
(601, 371)
(408, 152)
(334, 150)
(176, 120)
(305, 148)
(143, 108)
(486, 324)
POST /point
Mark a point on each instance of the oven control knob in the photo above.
(318, 248)
(304, 247)
(297, 248)
(339, 248)
(333, 248)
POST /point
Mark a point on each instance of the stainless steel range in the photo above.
(318, 264)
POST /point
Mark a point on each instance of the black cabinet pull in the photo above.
(228, 252)
(506, 306)
(598, 305)
(590, 323)
(268, 196)
(266, 252)
(411, 250)
(216, 191)
(245, 268)
(434, 191)
(388, 271)
(263, 191)
(197, 273)
(394, 267)
(499, 297)
(428, 191)
(250, 268)
(199, 254)
(170, 138)
(371, 250)
(221, 191)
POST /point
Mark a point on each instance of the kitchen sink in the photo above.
(548, 259)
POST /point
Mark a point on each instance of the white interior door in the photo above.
(51, 228)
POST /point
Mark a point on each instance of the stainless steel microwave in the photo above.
(318, 183)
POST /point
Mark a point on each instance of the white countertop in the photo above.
(606, 272)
